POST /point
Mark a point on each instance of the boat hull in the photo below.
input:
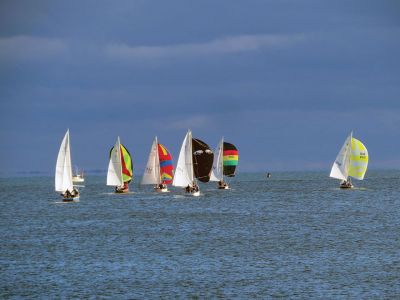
(71, 199)
(224, 187)
(346, 187)
(78, 179)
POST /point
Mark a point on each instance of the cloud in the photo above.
(193, 122)
(25, 48)
(227, 45)
(30, 48)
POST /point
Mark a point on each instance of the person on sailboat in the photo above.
(66, 194)
(195, 188)
(161, 186)
(122, 188)
(192, 189)
(346, 184)
(222, 184)
(74, 192)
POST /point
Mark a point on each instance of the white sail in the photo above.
(184, 168)
(152, 172)
(114, 173)
(340, 168)
(63, 177)
(217, 173)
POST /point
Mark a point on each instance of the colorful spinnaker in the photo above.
(352, 160)
(166, 165)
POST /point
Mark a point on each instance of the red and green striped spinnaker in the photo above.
(231, 159)
(166, 166)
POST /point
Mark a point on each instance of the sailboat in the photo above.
(194, 163)
(63, 175)
(159, 169)
(78, 177)
(225, 164)
(352, 161)
(120, 171)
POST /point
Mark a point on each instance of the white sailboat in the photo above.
(152, 174)
(352, 161)
(63, 175)
(184, 174)
(78, 177)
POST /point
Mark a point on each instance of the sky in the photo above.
(286, 81)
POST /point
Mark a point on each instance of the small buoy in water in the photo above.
(268, 175)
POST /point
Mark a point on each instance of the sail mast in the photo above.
(221, 158)
(348, 155)
(157, 162)
(191, 176)
(120, 158)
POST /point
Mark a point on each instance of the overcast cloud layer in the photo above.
(286, 81)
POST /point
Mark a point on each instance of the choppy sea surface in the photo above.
(295, 235)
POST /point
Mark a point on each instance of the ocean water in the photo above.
(295, 235)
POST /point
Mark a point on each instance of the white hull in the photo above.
(78, 179)
(71, 199)
(224, 187)
(158, 190)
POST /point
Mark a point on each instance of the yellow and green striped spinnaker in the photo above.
(358, 159)
(126, 162)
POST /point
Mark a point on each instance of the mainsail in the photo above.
(184, 168)
(63, 176)
(120, 165)
(152, 173)
(202, 160)
(218, 167)
(352, 160)
(340, 168)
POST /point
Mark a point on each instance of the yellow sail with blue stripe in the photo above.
(358, 160)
